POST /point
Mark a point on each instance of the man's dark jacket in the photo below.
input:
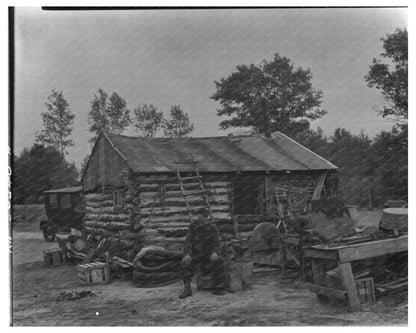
(202, 239)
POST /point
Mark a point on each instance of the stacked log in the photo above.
(163, 207)
(156, 203)
(101, 216)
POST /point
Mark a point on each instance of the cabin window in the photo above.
(247, 198)
(65, 201)
(53, 200)
(118, 198)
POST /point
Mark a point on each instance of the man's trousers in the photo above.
(217, 269)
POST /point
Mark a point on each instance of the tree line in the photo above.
(271, 96)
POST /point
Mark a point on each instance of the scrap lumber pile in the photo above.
(148, 266)
(79, 249)
(392, 286)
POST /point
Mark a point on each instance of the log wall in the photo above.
(102, 216)
(166, 225)
(168, 222)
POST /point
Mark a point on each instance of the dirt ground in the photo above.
(52, 296)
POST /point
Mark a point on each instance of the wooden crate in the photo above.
(54, 257)
(96, 272)
(365, 290)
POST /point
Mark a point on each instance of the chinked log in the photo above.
(176, 187)
(178, 194)
(108, 209)
(184, 222)
(142, 179)
(170, 233)
(113, 226)
(97, 197)
(99, 204)
(180, 200)
(182, 204)
(168, 211)
(106, 217)
(100, 210)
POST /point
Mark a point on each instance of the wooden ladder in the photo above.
(159, 196)
(201, 191)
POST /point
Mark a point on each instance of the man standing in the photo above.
(202, 248)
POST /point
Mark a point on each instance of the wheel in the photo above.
(48, 235)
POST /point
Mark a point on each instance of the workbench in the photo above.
(322, 255)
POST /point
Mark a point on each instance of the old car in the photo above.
(64, 210)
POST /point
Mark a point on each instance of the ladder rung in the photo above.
(195, 193)
(189, 178)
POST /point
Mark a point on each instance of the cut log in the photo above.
(184, 217)
(100, 210)
(168, 211)
(114, 226)
(97, 197)
(98, 204)
(180, 201)
(178, 194)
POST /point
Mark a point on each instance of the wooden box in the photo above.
(96, 272)
(365, 290)
(54, 257)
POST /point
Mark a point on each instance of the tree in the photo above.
(179, 125)
(311, 139)
(107, 114)
(268, 97)
(392, 82)
(38, 169)
(57, 123)
(388, 163)
(147, 120)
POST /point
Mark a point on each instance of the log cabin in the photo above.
(131, 185)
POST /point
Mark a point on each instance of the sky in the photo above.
(170, 57)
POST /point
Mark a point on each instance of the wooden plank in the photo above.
(268, 190)
(318, 272)
(291, 256)
(373, 249)
(294, 240)
(89, 256)
(318, 187)
(314, 253)
(350, 286)
(329, 292)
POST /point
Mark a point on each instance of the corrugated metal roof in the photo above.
(218, 154)
(66, 190)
